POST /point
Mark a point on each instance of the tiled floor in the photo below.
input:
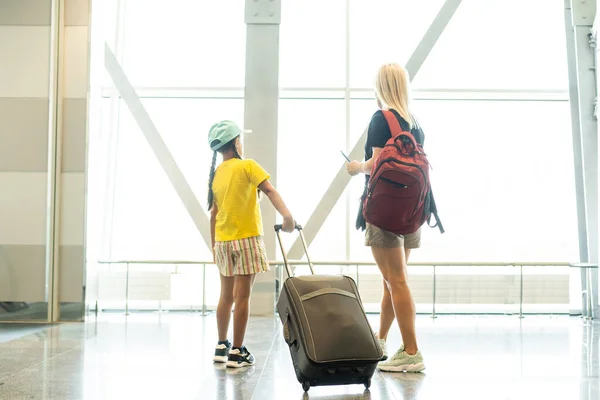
(149, 356)
(10, 332)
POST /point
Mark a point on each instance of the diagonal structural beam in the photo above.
(157, 144)
(430, 38)
(341, 180)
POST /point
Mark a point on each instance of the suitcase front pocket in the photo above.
(336, 328)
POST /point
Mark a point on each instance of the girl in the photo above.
(389, 250)
(236, 232)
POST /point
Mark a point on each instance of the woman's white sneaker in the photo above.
(383, 346)
(403, 362)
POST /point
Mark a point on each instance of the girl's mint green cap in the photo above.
(222, 133)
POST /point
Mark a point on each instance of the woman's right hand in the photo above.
(354, 167)
(288, 224)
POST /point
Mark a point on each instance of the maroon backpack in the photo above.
(399, 197)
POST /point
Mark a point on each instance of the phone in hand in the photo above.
(345, 156)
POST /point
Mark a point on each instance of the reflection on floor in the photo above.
(9, 332)
(151, 356)
(27, 312)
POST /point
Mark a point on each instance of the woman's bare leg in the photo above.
(392, 264)
(387, 316)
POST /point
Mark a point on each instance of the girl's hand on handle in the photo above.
(288, 224)
(354, 167)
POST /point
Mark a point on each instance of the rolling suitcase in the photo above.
(325, 326)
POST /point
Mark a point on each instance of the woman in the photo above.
(390, 250)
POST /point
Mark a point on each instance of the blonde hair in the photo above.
(391, 87)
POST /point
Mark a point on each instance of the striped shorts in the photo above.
(241, 257)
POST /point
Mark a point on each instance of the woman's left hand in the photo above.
(354, 167)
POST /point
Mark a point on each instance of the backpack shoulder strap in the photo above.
(395, 128)
(433, 209)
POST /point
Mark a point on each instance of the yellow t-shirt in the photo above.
(235, 188)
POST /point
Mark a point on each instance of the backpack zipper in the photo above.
(403, 163)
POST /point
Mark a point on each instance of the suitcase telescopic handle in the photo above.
(278, 229)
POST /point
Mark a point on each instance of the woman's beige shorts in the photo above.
(377, 237)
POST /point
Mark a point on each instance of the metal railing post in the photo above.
(204, 313)
(589, 294)
(434, 293)
(521, 294)
(127, 290)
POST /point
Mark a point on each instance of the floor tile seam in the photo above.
(276, 337)
(387, 379)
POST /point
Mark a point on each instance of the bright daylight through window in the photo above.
(501, 167)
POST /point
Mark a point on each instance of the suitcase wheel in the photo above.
(368, 383)
(306, 386)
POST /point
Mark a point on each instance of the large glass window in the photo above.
(186, 81)
(497, 159)
(311, 133)
(493, 44)
(185, 43)
(384, 31)
(313, 43)
(186, 61)
(150, 221)
(502, 169)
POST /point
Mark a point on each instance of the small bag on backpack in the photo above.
(399, 197)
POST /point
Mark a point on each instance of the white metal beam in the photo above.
(579, 17)
(576, 130)
(430, 38)
(157, 144)
(261, 101)
(341, 180)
